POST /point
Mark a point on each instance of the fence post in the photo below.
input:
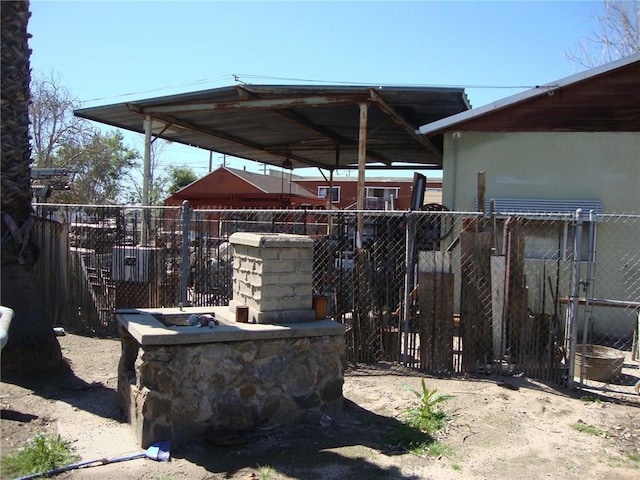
(575, 297)
(408, 276)
(588, 288)
(184, 271)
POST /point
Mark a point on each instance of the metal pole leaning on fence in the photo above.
(185, 264)
(408, 275)
(575, 296)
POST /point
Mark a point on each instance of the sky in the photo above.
(108, 52)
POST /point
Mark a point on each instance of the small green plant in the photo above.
(456, 467)
(437, 449)
(422, 422)
(428, 416)
(634, 457)
(583, 427)
(41, 453)
(591, 399)
(265, 472)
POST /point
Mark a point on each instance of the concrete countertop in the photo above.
(147, 330)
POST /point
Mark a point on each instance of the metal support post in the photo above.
(184, 271)
(408, 276)
(575, 297)
(362, 159)
(588, 288)
(145, 179)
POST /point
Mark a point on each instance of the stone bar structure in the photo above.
(272, 275)
(178, 380)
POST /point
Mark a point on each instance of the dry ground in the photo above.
(523, 432)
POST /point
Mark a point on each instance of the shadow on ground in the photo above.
(332, 448)
(62, 384)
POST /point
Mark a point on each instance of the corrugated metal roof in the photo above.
(307, 125)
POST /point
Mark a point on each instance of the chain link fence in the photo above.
(447, 292)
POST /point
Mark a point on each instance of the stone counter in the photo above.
(175, 383)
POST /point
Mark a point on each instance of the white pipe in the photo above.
(6, 314)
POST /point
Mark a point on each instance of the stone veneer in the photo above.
(273, 275)
(175, 383)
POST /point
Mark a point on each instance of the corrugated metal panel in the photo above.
(542, 205)
(306, 125)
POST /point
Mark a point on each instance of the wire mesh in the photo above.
(446, 292)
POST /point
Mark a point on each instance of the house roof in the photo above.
(306, 125)
(368, 180)
(605, 98)
(265, 189)
(272, 183)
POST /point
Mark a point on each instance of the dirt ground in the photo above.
(510, 427)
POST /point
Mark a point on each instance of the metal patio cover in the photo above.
(304, 125)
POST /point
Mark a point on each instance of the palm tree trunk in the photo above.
(32, 345)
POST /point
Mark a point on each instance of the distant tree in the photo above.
(157, 181)
(53, 124)
(619, 35)
(100, 163)
(180, 177)
(32, 345)
(61, 140)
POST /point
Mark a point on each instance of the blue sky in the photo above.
(106, 52)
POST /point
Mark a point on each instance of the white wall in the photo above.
(602, 166)
(563, 165)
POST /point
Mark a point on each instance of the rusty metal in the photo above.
(400, 120)
(362, 159)
(254, 121)
(256, 104)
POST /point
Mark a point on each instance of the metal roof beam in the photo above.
(300, 120)
(233, 140)
(256, 104)
(402, 122)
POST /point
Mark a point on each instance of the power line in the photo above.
(166, 87)
(238, 78)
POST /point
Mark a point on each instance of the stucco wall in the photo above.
(563, 165)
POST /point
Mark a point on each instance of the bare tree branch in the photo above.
(619, 35)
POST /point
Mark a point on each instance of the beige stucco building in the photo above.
(570, 144)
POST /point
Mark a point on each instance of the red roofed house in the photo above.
(231, 188)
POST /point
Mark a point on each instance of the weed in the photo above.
(438, 449)
(265, 472)
(634, 457)
(580, 426)
(456, 467)
(591, 399)
(41, 453)
(428, 416)
(422, 422)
